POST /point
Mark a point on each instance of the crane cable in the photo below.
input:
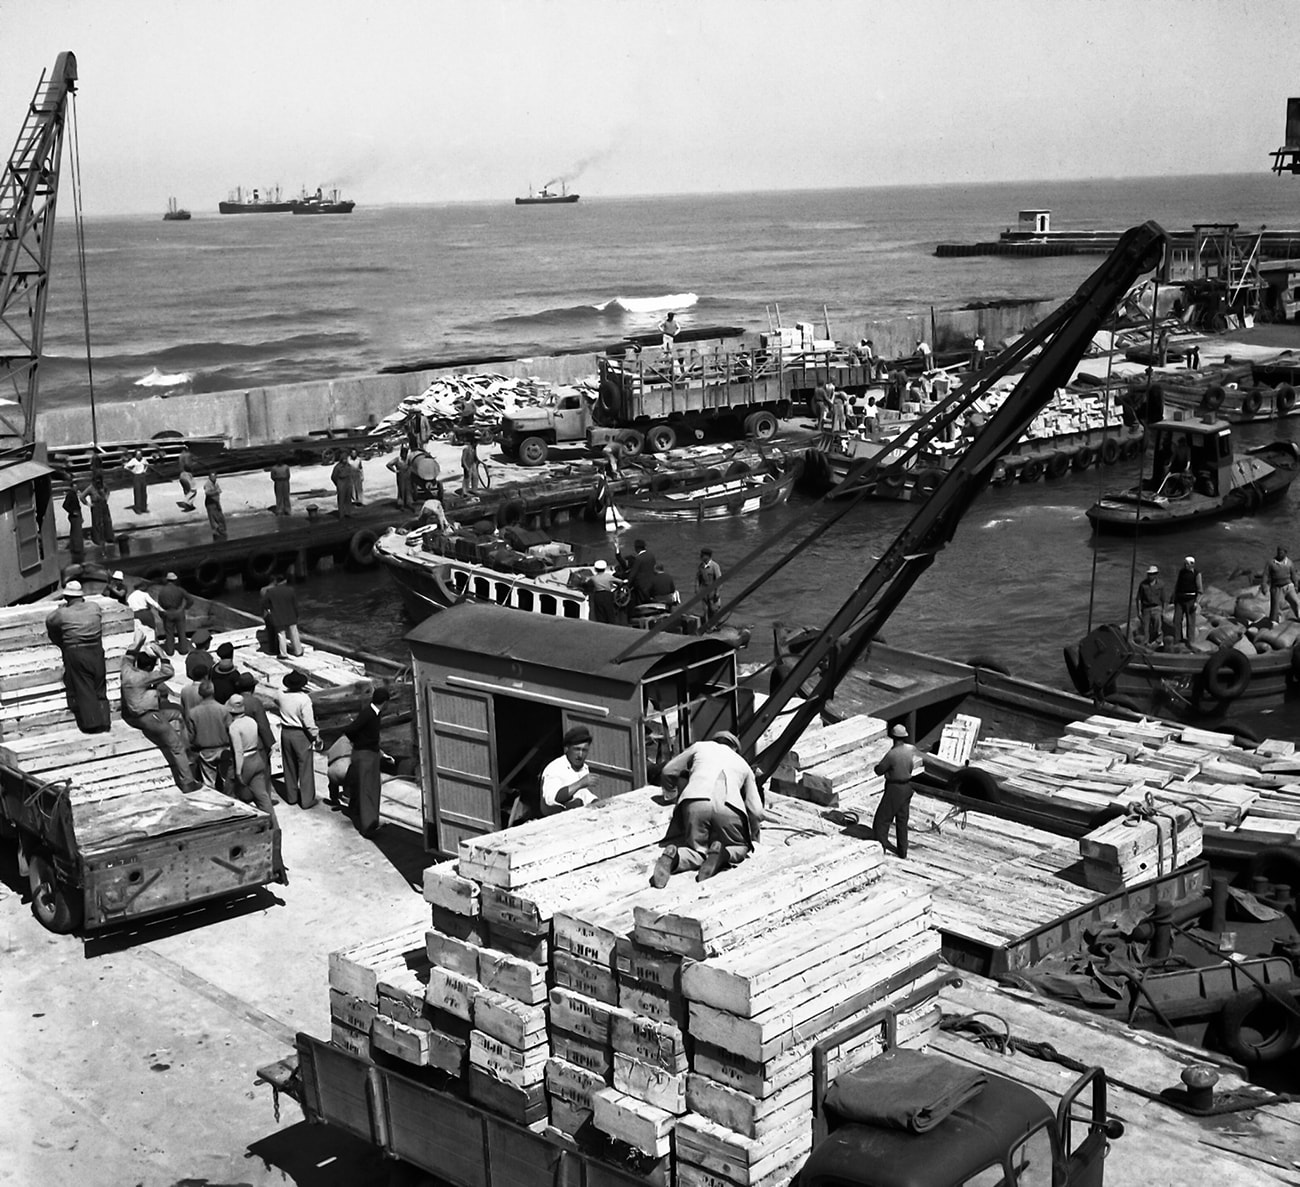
(78, 217)
(1146, 430)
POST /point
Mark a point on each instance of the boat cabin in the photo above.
(29, 561)
(1191, 456)
(496, 692)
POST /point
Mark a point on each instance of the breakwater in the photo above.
(263, 415)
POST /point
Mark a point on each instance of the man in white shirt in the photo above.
(148, 616)
(566, 781)
(138, 468)
(298, 737)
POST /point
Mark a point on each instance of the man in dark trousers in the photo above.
(251, 774)
(363, 733)
(199, 662)
(224, 674)
(1151, 603)
(280, 610)
(895, 804)
(341, 476)
(174, 602)
(298, 737)
(280, 484)
(707, 579)
(640, 572)
(144, 708)
(208, 724)
(77, 629)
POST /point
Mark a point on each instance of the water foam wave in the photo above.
(157, 378)
(614, 309)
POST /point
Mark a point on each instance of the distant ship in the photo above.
(317, 203)
(237, 203)
(174, 213)
(546, 198)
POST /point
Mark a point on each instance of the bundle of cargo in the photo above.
(1139, 846)
(832, 760)
(443, 402)
(560, 987)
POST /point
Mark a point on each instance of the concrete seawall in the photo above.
(261, 415)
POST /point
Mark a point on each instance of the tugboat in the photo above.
(175, 214)
(546, 198)
(318, 203)
(256, 204)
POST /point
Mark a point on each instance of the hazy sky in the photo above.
(443, 100)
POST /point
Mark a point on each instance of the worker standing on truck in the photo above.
(298, 737)
(77, 629)
(144, 708)
(566, 780)
(718, 814)
(895, 804)
(364, 736)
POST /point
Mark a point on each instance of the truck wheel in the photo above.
(761, 426)
(661, 438)
(56, 905)
(532, 451)
(632, 441)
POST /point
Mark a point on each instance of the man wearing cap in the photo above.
(1151, 602)
(251, 772)
(208, 724)
(199, 662)
(1280, 577)
(1187, 592)
(77, 629)
(364, 735)
(566, 780)
(280, 610)
(298, 736)
(224, 674)
(174, 601)
(718, 814)
(144, 708)
(897, 767)
(640, 571)
(115, 587)
(707, 578)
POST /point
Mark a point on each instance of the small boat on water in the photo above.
(546, 198)
(717, 495)
(175, 214)
(257, 202)
(321, 203)
(1196, 478)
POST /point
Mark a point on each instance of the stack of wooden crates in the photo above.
(670, 1031)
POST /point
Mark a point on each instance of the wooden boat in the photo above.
(1197, 478)
(714, 496)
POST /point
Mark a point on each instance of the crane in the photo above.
(1061, 340)
(29, 191)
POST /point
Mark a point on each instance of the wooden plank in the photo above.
(635, 962)
(578, 1014)
(355, 1042)
(533, 948)
(351, 1011)
(689, 1175)
(514, 1023)
(444, 887)
(594, 1057)
(647, 1082)
(356, 970)
(520, 979)
(524, 1106)
(584, 977)
(643, 1126)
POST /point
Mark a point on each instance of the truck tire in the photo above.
(632, 441)
(761, 426)
(56, 905)
(661, 438)
(532, 451)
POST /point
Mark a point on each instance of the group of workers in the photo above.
(1279, 581)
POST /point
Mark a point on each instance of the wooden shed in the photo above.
(29, 564)
(497, 689)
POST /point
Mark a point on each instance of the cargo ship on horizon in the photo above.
(237, 203)
(546, 198)
(320, 203)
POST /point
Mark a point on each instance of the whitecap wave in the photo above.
(157, 378)
(643, 305)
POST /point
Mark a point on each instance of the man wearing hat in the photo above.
(602, 577)
(251, 772)
(364, 734)
(224, 674)
(298, 737)
(1187, 592)
(718, 814)
(897, 767)
(115, 587)
(77, 629)
(199, 662)
(566, 780)
(1151, 603)
(174, 601)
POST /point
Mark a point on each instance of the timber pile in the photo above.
(495, 396)
(1132, 849)
(669, 1031)
(1103, 761)
(833, 760)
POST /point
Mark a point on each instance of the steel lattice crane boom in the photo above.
(29, 192)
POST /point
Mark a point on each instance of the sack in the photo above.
(341, 747)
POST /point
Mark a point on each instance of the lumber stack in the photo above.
(833, 760)
(669, 1031)
(1132, 849)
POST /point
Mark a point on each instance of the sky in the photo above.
(399, 101)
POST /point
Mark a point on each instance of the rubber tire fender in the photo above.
(1226, 674)
(593, 510)
(210, 578)
(1214, 397)
(1031, 471)
(891, 482)
(261, 568)
(972, 783)
(1252, 401)
(510, 512)
(1109, 451)
(1074, 668)
(1131, 450)
(1232, 1021)
(361, 548)
(926, 483)
(1058, 465)
(818, 477)
(1084, 459)
(1284, 395)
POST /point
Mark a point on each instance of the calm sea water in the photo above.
(238, 301)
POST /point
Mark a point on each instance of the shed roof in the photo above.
(564, 644)
(17, 473)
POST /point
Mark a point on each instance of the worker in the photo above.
(432, 511)
(718, 814)
(401, 468)
(101, 515)
(669, 329)
(708, 576)
(639, 571)
(1188, 589)
(185, 476)
(225, 676)
(1151, 602)
(823, 394)
(839, 410)
(897, 767)
(663, 589)
(358, 474)
(199, 662)
(251, 773)
(341, 476)
(469, 467)
(139, 469)
(212, 502)
(977, 353)
(298, 738)
(115, 587)
(77, 629)
(208, 726)
(338, 772)
(76, 524)
(871, 417)
(602, 578)
(174, 601)
(144, 707)
(924, 353)
(1280, 578)
(364, 736)
(567, 780)
(280, 476)
(280, 612)
(148, 614)
(612, 454)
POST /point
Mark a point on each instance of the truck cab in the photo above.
(565, 419)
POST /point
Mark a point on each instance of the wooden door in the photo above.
(617, 754)
(461, 800)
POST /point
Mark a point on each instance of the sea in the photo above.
(222, 302)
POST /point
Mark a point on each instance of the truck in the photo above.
(713, 382)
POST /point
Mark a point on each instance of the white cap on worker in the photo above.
(171, 577)
(118, 575)
(72, 589)
(1191, 560)
(1152, 569)
(600, 566)
(898, 731)
(235, 704)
